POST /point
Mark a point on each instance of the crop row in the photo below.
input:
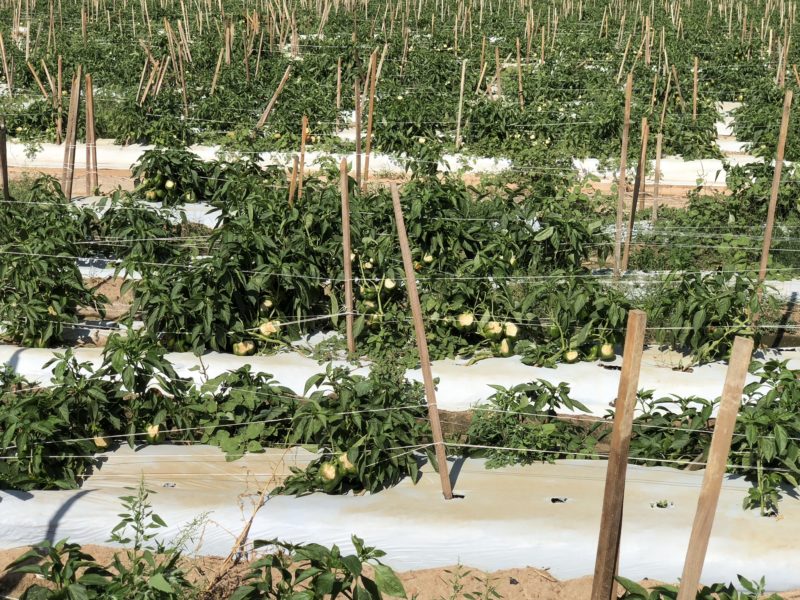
(502, 269)
(564, 99)
(369, 431)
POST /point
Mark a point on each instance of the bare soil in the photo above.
(107, 179)
(428, 584)
(110, 179)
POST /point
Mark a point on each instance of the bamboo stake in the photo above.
(422, 347)
(715, 467)
(348, 263)
(621, 183)
(617, 466)
(274, 99)
(776, 183)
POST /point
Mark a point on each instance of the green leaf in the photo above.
(353, 564)
(158, 582)
(76, 591)
(544, 234)
(387, 581)
(698, 319)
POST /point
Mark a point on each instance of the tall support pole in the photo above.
(422, 346)
(91, 140)
(68, 172)
(715, 467)
(348, 261)
(613, 498)
(461, 103)
(776, 184)
(623, 163)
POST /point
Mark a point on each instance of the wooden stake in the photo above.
(293, 180)
(621, 183)
(657, 177)
(274, 99)
(215, 78)
(694, 89)
(664, 106)
(641, 168)
(678, 87)
(498, 86)
(68, 171)
(59, 100)
(6, 72)
(370, 114)
(91, 141)
(357, 99)
(338, 90)
(348, 263)
(37, 80)
(715, 467)
(624, 56)
(301, 176)
(422, 346)
(461, 103)
(519, 79)
(776, 183)
(4, 160)
(643, 163)
(613, 497)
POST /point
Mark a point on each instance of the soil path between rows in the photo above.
(427, 584)
(110, 179)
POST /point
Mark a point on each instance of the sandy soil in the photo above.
(429, 584)
(110, 179)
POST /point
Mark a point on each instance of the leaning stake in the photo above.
(611, 520)
(776, 184)
(715, 468)
(68, 172)
(422, 346)
(623, 160)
